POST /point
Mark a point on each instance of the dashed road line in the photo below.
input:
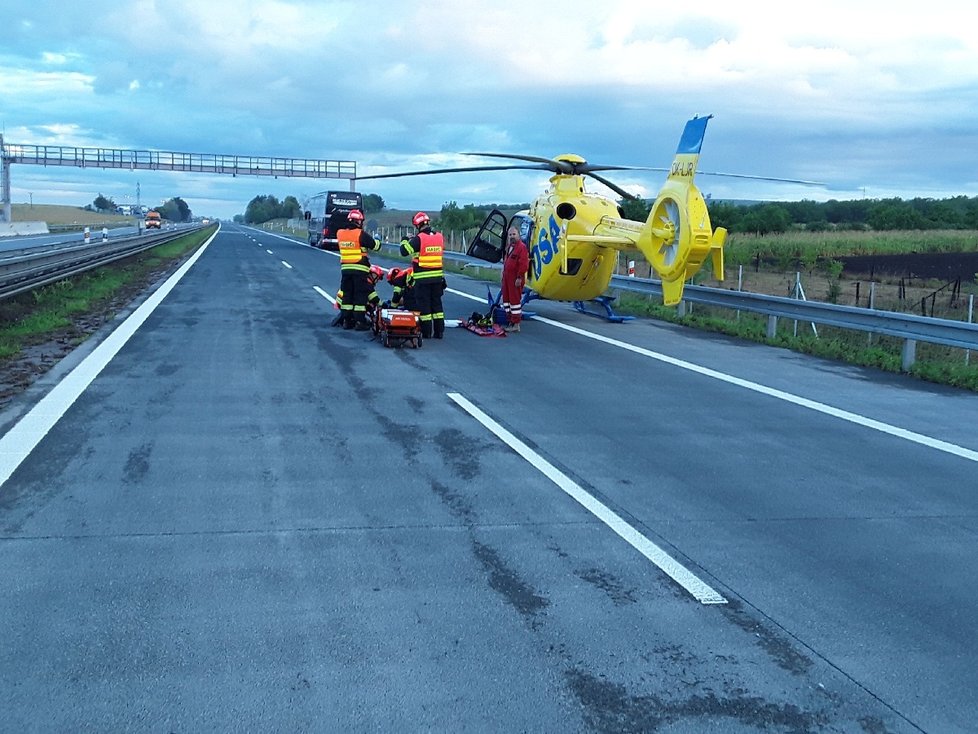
(324, 294)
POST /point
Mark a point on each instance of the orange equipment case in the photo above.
(396, 327)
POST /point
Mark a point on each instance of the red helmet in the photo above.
(392, 274)
(376, 272)
(355, 217)
(420, 220)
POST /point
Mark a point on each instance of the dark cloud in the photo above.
(390, 84)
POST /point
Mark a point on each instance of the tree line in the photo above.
(762, 218)
(267, 207)
(173, 210)
(959, 212)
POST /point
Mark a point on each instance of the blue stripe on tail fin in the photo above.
(693, 135)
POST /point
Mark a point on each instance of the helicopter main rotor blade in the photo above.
(588, 168)
(513, 156)
(614, 187)
(740, 175)
(556, 165)
(451, 170)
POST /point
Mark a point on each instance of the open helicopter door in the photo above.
(490, 241)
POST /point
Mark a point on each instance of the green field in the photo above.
(809, 246)
(55, 214)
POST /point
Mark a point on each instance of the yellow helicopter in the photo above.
(574, 236)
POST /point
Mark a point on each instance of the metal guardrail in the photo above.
(910, 327)
(25, 269)
(93, 226)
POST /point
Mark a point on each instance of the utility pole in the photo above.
(4, 183)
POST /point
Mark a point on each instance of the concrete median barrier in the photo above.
(15, 229)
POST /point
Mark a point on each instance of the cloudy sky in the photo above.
(875, 99)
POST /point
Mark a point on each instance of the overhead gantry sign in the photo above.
(160, 160)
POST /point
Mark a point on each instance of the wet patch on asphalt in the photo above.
(508, 584)
(610, 584)
(137, 464)
(779, 647)
(609, 707)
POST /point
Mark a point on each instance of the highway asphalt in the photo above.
(227, 515)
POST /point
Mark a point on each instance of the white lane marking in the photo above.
(299, 242)
(287, 265)
(324, 294)
(23, 437)
(269, 252)
(918, 438)
(700, 591)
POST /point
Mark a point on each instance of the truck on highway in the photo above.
(153, 220)
(326, 213)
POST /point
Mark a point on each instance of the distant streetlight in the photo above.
(31, 194)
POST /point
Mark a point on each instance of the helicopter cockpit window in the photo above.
(526, 228)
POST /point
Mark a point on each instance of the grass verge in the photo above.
(934, 363)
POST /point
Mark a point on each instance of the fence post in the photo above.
(909, 354)
(740, 283)
(872, 305)
(971, 313)
(772, 326)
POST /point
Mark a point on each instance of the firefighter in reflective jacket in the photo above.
(375, 275)
(427, 250)
(355, 283)
(403, 283)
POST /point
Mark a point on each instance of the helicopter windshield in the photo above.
(524, 223)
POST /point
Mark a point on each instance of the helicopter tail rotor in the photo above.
(677, 237)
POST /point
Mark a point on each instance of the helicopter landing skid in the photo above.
(609, 313)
